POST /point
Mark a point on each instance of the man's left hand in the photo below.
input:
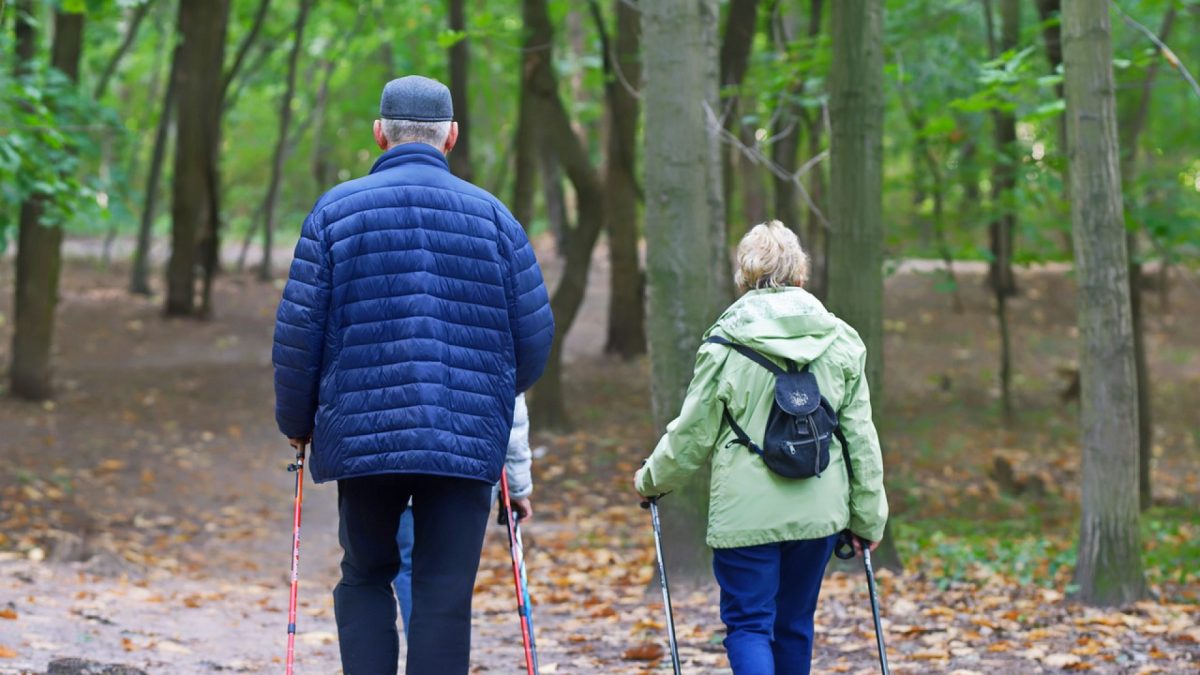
(522, 509)
(297, 442)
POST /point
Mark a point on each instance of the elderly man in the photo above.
(413, 315)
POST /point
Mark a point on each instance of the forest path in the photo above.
(146, 520)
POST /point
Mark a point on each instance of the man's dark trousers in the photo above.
(449, 519)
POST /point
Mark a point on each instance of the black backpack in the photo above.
(800, 425)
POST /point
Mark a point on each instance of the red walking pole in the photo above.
(518, 564)
(298, 468)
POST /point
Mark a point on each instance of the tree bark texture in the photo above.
(856, 189)
(460, 68)
(201, 26)
(281, 144)
(1109, 570)
(683, 223)
(1132, 112)
(39, 245)
(547, 407)
(627, 287)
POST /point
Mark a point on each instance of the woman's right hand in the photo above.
(858, 542)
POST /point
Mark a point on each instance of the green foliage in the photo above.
(40, 150)
(1031, 551)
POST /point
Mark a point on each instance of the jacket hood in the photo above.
(788, 323)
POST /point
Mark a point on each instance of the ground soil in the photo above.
(145, 513)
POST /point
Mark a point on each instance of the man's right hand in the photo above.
(297, 442)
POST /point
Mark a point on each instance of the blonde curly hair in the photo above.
(770, 256)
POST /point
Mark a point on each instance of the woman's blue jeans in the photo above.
(768, 598)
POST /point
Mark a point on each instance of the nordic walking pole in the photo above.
(652, 504)
(883, 663)
(845, 551)
(298, 468)
(519, 580)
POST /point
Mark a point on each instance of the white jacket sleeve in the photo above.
(519, 462)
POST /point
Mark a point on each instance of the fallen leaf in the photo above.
(1061, 660)
(6, 653)
(647, 651)
(8, 613)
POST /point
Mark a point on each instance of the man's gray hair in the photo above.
(409, 131)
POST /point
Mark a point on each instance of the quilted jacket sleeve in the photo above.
(528, 306)
(300, 333)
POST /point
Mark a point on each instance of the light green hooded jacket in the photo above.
(749, 504)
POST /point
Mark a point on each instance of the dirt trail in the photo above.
(145, 519)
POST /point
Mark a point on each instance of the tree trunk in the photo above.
(460, 61)
(139, 281)
(1109, 570)
(819, 234)
(683, 217)
(39, 246)
(1004, 181)
(547, 407)
(1004, 171)
(626, 301)
(201, 27)
(281, 145)
(1132, 112)
(525, 141)
(740, 27)
(856, 189)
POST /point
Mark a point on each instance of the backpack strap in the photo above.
(841, 436)
(742, 437)
(752, 355)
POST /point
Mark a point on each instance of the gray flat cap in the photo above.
(416, 98)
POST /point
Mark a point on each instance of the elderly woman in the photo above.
(772, 535)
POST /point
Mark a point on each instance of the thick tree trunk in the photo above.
(39, 246)
(683, 216)
(281, 145)
(460, 62)
(547, 407)
(626, 302)
(1109, 570)
(856, 189)
(201, 26)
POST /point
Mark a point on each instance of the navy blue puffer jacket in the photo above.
(414, 313)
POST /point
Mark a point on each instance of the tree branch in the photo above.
(260, 17)
(135, 23)
(1166, 51)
